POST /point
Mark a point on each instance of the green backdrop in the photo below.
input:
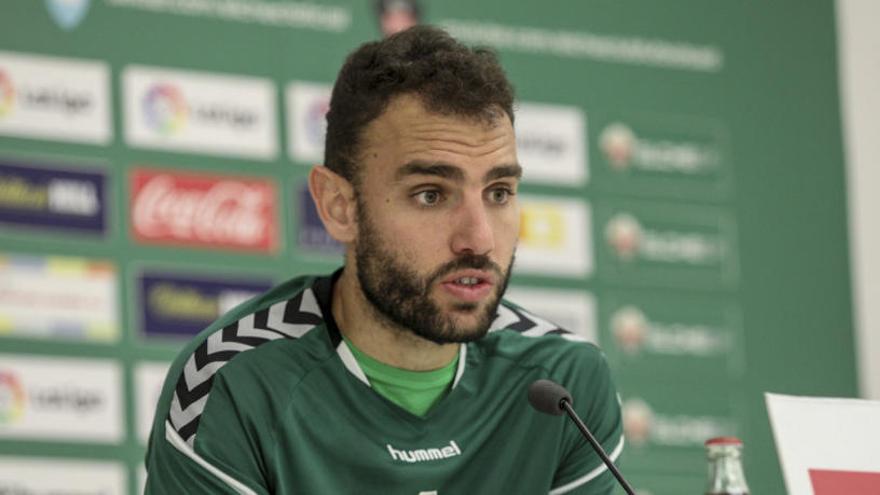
(717, 233)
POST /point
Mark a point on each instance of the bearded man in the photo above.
(404, 372)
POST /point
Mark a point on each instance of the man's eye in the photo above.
(500, 196)
(428, 198)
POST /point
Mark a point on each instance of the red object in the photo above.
(829, 482)
(723, 441)
(203, 210)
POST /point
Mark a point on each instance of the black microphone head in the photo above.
(547, 396)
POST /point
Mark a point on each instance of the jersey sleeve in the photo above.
(218, 455)
(595, 399)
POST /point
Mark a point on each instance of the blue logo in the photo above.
(68, 13)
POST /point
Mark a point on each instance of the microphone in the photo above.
(552, 398)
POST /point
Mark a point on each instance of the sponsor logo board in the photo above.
(672, 156)
(555, 237)
(644, 424)
(311, 235)
(58, 297)
(662, 151)
(148, 379)
(686, 338)
(635, 333)
(54, 98)
(53, 198)
(551, 143)
(182, 305)
(202, 210)
(199, 112)
(307, 106)
(572, 310)
(60, 399)
(55, 476)
(664, 243)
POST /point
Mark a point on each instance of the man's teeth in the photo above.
(468, 281)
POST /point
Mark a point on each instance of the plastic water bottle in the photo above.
(726, 475)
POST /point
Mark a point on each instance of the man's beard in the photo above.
(403, 298)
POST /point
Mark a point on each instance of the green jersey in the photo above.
(270, 399)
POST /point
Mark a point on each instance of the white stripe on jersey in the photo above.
(462, 357)
(351, 363)
(592, 474)
(179, 444)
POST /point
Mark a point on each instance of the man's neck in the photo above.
(378, 339)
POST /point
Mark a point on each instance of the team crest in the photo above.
(68, 13)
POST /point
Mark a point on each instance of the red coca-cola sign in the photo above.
(169, 207)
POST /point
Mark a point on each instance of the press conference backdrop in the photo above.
(683, 206)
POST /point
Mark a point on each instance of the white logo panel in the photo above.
(58, 297)
(307, 106)
(54, 98)
(555, 237)
(572, 310)
(552, 143)
(60, 399)
(47, 476)
(200, 112)
(148, 379)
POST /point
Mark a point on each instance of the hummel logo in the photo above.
(421, 455)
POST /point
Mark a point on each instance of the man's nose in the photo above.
(472, 230)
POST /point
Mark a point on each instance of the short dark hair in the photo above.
(448, 77)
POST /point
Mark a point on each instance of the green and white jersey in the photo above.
(269, 399)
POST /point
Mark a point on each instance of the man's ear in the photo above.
(335, 201)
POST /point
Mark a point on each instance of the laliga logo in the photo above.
(638, 421)
(7, 94)
(630, 328)
(618, 143)
(165, 108)
(624, 234)
(11, 397)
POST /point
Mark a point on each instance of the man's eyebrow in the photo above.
(504, 171)
(452, 172)
(442, 170)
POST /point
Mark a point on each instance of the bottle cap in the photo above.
(723, 441)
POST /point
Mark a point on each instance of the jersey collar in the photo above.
(323, 289)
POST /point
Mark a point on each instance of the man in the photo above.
(401, 373)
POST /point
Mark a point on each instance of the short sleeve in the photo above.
(216, 457)
(595, 399)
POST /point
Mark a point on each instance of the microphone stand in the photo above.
(566, 405)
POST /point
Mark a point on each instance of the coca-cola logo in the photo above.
(203, 210)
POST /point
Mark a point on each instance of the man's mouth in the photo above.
(469, 285)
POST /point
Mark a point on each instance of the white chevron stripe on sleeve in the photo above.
(195, 377)
(505, 318)
(310, 303)
(180, 418)
(246, 328)
(276, 321)
(541, 327)
(216, 344)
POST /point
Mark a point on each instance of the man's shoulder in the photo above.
(287, 311)
(262, 336)
(531, 339)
